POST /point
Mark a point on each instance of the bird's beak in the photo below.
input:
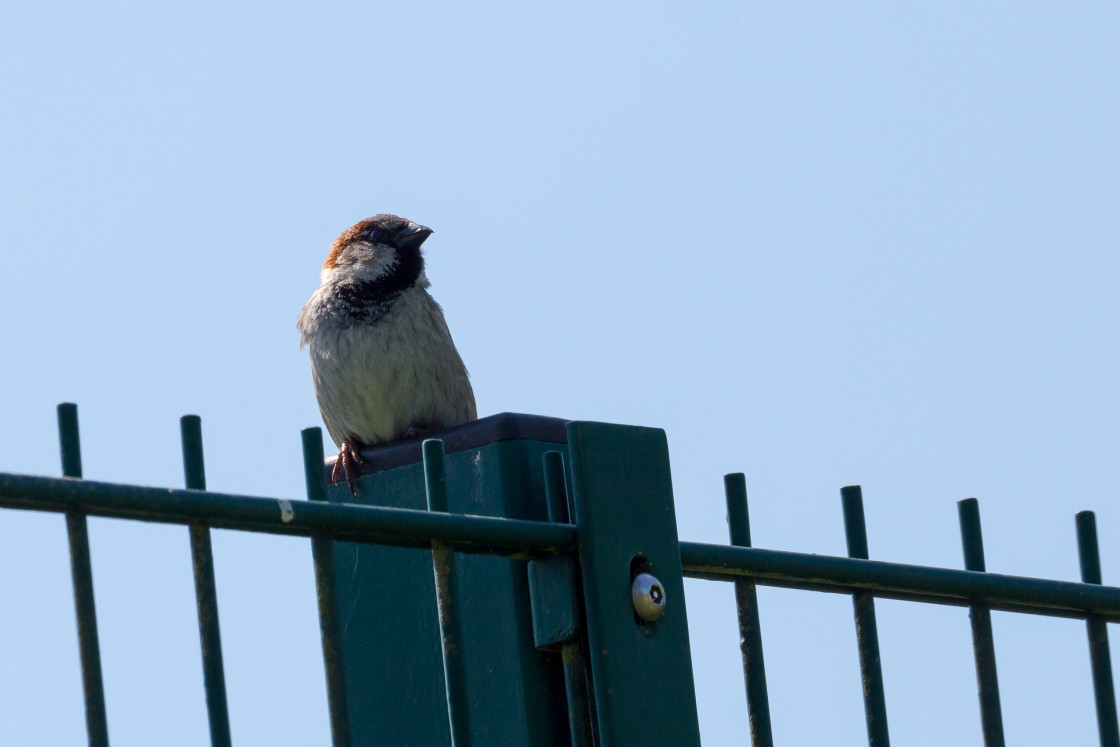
(411, 236)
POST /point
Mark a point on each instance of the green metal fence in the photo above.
(560, 618)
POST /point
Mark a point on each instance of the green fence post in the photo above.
(641, 670)
(391, 662)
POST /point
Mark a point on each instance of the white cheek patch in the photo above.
(361, 261)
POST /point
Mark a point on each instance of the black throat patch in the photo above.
(367, 301)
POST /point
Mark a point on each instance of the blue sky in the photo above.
(819, 243)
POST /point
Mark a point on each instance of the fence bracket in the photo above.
(623, 500)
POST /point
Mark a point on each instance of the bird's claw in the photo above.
(348, 458)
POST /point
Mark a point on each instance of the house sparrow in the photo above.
(382, 358)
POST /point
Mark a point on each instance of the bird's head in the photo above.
(376, 249)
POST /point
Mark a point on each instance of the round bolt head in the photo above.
(648, 597)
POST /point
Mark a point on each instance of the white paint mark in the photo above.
(286, 512)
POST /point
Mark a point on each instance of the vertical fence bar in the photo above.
(450, 627)
(321, 553)
(575, 687)
(555, 491)
(980, 616)
(867, 634)
(1099, 658)
(97, 726)
(571, 654)
(746, 601)
(205, 588)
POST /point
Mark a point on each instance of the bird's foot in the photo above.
(412, 432)
(348, 459)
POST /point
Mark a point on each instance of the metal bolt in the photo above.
(648, 597)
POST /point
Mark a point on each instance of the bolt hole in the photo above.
(638, 564)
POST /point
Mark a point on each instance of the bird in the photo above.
(383, 362)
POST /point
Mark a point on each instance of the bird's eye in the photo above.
(375, 235)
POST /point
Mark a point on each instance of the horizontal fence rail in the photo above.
(900, 581)
(484, 535)
(397, 527)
